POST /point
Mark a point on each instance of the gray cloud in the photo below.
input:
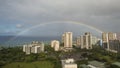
(102, 14)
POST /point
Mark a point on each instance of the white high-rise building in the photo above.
(55, 44)
(68, 40)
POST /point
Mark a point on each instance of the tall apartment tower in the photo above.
(88, 40)
(81, 42)
(68, 39)
(106, 38)
(63, 36)
(55, 44)
(78, 42)
(112, 36)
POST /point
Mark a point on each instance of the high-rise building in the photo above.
(55, 44)
(118, 36)
(114, 46)
(78, 42)
(68, 40)
(85, 41)
(107, 40)
(95, 40)
(81, 42)
(112, 36)
(63, 38)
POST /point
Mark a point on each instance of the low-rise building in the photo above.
(117, 64)
(68, 63)
(34, 47)
(95, 64)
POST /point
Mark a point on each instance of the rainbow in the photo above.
(56, 22)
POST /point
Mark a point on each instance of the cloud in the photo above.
(62, 8)
(102, 14)
(19, 25)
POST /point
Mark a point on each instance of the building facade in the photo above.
(68, 63)
(85, 41)
(110, 42)
(55, 44)
(34, 47)
(68, 40)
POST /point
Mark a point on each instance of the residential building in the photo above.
(112, 44)
(63, 36)
(78, 42)
(108, 40)
(55, 44)
(27, 49)
(34, 47)
(95, 40)
(105, 40)
(96, 64)
(68, 40)
(68, 63)
(86, 41)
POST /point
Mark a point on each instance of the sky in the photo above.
(29, 17)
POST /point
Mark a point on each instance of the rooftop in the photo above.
(116, 63)
(96, 64)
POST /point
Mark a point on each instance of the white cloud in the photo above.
(19, 25)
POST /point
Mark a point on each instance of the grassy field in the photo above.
(43, 64)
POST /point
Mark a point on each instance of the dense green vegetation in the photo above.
(10, 56)
(14, 56)
(41, 64)
(99, 54)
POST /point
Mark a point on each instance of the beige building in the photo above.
(27, 49)
(81, 42)
(63, 38)
(68, 63)
(34, 47)
(105, 40)
(68, 39)
(86, 41)
(95, 40)
(55, 44)
(112, 36)
(108, 40)
(78, 42)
